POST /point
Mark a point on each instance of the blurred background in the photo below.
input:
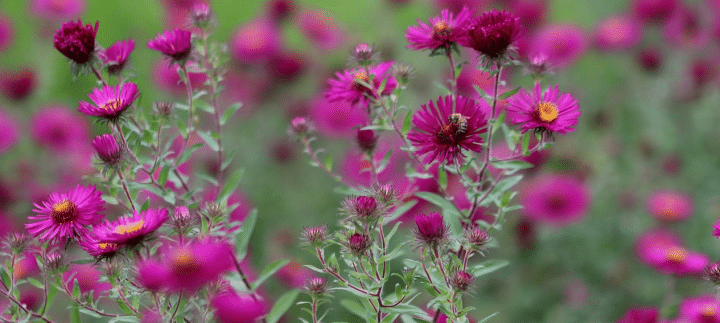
(645, 74)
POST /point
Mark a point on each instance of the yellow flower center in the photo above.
(670, 208)
(130, 227)
(676, 254)
(112, 106)
(104, 245)
(547, 111)
(708, 311)
(361, 76)
(441, 28)
(183, 262)
(63, 212)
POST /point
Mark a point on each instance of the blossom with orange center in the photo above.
(663, 251)
(110, 101)
(703, 308)
(668, 205)
(66, 215)
(443, 32)
(549, 111)
(345, 87)
(132, 231)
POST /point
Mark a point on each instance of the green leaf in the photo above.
(145, 205)
(231, 185)
(4, 276)
(243, 238)
(83, 261)
(329, 162)
(90, 313)
(188, 152)
(353, 307)
(400, 210)
(442, 178)
(488, 317)
(110, 199)
(525, 143)
(162, 178)
(390, 318)
(209, 140)
(508, 94)
(407, 123)
(124, 307)
(282, 305)
(511, 166)
(270, 270)
(75, 313)
(487, 267)
(445, 205)
(35, 283)
(76, 288)
(230, 112)
(406, 309)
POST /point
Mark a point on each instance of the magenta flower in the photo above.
(549, 111)
(640, 315)
(347, 88)
(555, 199)
(561, 44)
(65, 215)
(107, 149)
(443, 32)
(75, 41)
(650, 59)
(132, 231)
(336, 119)
(492, 33)
(173, 43)
(9, 131)
(321, 29)
(96, 248)
(363, 207)
(669, 206)
(618, 33)
(18, 85)
(256, 41)
(431, 230)
(117, 55)
(294, 275)
(191, 266)
(110, 102)
(685, 29)
(233, 308)
(654, 10)
(441, 133)
(530, 12)
(57, 10)
(663, 251)
(151, 274)
(87, 277)
(60, 130)
(25, 267)
(358, 243)
(704, 308)
(6, 33)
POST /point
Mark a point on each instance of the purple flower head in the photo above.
(152, 274)
(443, 32)
(132, 231)
(191, 266)
(640, 315)
(9, 131)
(117, 55)
(316, 285)
(366, 140)
(618, 33)
(321, 29)
(173, 43)
(18, 85)
(65, 215)
(431, 230)
(110, 101)
(107, 149)
(75, 41)
(530, 12)
(492, 33)
(549, 111)
(561, 44)
(98, 249)
(233, 308)
(357, 243)
(57, 10)
(315, 236)
(60, 130)
(712, 273)
(300, 126)
(669, 206)
(704, 308)
(555, 199)
(256, 41)
(363, 207)
(441, 132)
(87, 278)
(461, 280)
(654, 10)
(347, 87)
(674, 259)
(6, 33)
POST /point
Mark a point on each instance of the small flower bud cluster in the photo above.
(315, 236)
(461, 280)
(364, 54)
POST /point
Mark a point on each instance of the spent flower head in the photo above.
(385, 194)
(300, 126)
(477, 237)
(17, 241)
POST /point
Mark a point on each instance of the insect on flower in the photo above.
(460, 121)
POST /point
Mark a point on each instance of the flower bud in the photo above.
(712, 273)
(182, 217)
(55, 261)
(431, 229)
(300, 126)
(358, 243)
(164, 109)
(201, 16)
(461, 280)
(316, 286)
(477, 237)
(385, 194)
(315, 236)
(363, 207)
(366, 140)
(364, 54)
(17, 242)
(108, 149)
(402, 72)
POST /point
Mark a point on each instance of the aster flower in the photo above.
(75, 41)
(363, 207)
(562, 44)
(443, 32)
(110, 102)
(461, 280)
(492, 33)
(654, 10)
(663, 251)
(357, 243)
(366, 140)
(151, 275)
(618, 33)
(338, 119)
(18, 85)
(441, 133)
(173, 43)
(233, 308)
(640, 315)
(57, 10)
(555, 199)
(315, 236)
(549, 111)
(132, 231)
(65, 215)
(346, 87)
(431, 230)
(117, 55)
(669, 206)
(321, 29)
(87, 278)
(190, 266)
(704, 308)
(108, 149)
(256, 41)
(98, 249)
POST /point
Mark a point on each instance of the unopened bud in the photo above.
(712, 273)
(315, 236)
(461, 280)
(300, 126)
(164, 109)
(366, 140)
(316, 286)
(54, 261)
(201, 16)
(385, 194)
(363, 207)
(402, 72)
(358, 243)
(17, 242)
(477, 237)
(364, 54)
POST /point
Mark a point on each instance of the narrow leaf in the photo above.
(75, 313)
(230, 112)
(445, 205)
(489, 316)
(282, 305)
(243, 238)
(508, 94)
(209, 140)
(231, 185)
(270, 270)
(188, 152)
(487, 267)
(162, 178)
(407, 123)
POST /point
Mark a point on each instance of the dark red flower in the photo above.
(431, 230)
(75, 41)
(492, 33)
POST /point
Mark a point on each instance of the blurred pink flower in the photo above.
(336, 119)
(704, 308)
(87, 277)
(321, 29)
(6, 33)
(686, 30)
(532, 13)
(166, 78)
(19, 84)
(57, 10)
(256, 41)
(618, 33)
(294, 274)
(669, 205)
(190, 266)
(455, 6)
(555, 199)
(663, 251)
(231, 307)
(60, 130)
(9, 131)
(653, 10)
(562, 44)
(26, 267)
(640, 315)
(650, 59)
